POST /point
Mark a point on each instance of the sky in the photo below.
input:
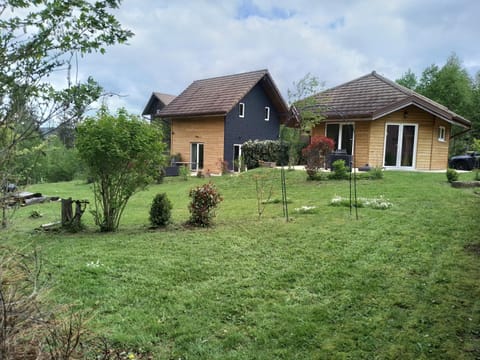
(178, 42)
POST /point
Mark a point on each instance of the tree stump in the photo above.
(69, 219)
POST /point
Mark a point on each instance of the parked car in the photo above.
(467, 161)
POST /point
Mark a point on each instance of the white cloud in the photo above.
(182, 41)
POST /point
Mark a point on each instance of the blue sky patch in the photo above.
(337, 23)
(248, 8)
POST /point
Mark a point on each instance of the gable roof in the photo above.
(373, 96)
(164, 100)
(218, 95)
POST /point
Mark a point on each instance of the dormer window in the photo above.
(441, 133)
(267, 113)
(241, 110)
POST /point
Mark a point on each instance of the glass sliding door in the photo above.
(196, 156)
(400, 145)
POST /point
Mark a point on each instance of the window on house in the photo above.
(241, 110)
(267, 113)
(441, 133)
(342, 134)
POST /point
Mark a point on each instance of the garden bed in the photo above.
(465, 184)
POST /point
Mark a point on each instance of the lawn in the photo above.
(401, 283)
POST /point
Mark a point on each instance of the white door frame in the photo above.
(399, 146)
(195, 162)
(239, 156)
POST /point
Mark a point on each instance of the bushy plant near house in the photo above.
(452, 175)
(205, 199)
(265, 150)
(375, 173)
(184, 172)
(315, 154)
(160, 211)
(339, 170)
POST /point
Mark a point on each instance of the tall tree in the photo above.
(39, 38)
(301, 98)
(409, 80)
(303, 104)
(123, 154)
(451, 86)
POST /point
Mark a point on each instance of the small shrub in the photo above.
(184, 172)
(339, 170)
(160, 211)
(223, 164)
(375, 173)
(477, 175)
(205, 199)
(315, 154)
(452, 175)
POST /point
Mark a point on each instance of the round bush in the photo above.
(452, 175)
(160, 211)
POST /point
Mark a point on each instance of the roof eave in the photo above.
(190, 115)
(447, 116)
(146, 110)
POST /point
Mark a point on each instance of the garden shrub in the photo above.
(266, 150)
(160, 211)
(184, 172)
(452, 175)
(205, 199)
(315, 154)
(375, 173)
(339, 170)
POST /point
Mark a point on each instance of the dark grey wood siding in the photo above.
(253, 126)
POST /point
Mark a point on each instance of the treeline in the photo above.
(452, 86)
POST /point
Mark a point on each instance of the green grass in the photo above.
(394, 284)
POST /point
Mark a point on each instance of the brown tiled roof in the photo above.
(165, 99)
(373, 96)
(218, 95)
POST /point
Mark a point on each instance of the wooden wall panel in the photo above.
(376, 141)
(362, 143)
(432, 154)
(209, 131)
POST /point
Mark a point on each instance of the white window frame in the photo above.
(399, 148)
(241, 110)
(267, 113)
(442, 131)
(338, 144)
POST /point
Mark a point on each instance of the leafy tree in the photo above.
(409, 80)
(305, 106)
(451, 86)
(40, 38)
(303, 100)
(123, 154)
